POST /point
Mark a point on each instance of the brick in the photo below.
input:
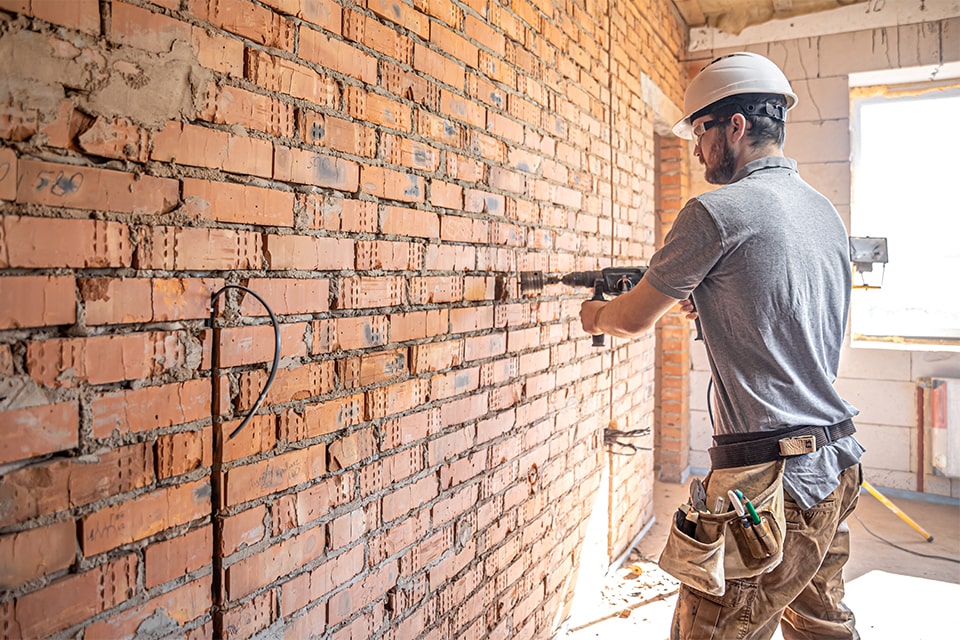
(170, 559)
(373, 368)
(233, 106)
(17, 123)
(485, 33)
(76, 597)
(392, 185)
(346, 334)
(471, 319)
(378, 36)
(251, 617)
(410, 222)
(125, 300)
(227, 202)
(337, 55)
(312, 622)
(319, 499)
(284, 76)
(76, 187)
(136, 27)
(362, 593)
(309, 253)
(446, 195)
(436, 289)
(37, 301)
(103, 359)
(323, 13)
(63, 483)
(117, 138)
(217, 52)
(454, 383)
(8, 172)
(339, 214)
(463, 229)
(248, 20)
(418, 325)
(33, 553)
(395, 398)
(274, 475)
(359, 292)
(257, 436)
(298, 383)
(401, 14)
(331, 132)
(256, 571)
(243, 529)
(37, 431)
(389, 256)
(312, 586)
(149, 514)
(181, 453)
(286, 296)
(333, 415)
(177, 609)
(256, 344)
(307, 167)
(455, 45)
(351, 448)
(82, 15)
(200, 146)
(175, 248)
(401, 150)
(377, 109)
(436, 356)
(66, 243)
(435, 65)
(451, 257)
(471, 113)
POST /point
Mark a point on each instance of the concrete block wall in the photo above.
(881, 382)
(379, 172)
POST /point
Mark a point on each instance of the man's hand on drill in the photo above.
(590, 316)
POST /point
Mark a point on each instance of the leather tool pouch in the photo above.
(721, 547)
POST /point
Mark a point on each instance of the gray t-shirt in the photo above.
(766, 261)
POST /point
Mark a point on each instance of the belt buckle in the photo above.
(798, 445)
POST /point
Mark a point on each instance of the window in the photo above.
(906, 188)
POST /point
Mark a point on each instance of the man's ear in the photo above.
(738, 125)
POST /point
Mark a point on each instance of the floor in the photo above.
(907, 592)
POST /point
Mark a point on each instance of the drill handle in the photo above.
(598, 288)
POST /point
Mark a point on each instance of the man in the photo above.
(765, 261)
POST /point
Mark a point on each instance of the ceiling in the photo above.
(732, 16)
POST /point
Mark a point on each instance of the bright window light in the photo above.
(906, 174)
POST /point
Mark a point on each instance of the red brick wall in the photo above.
(674, 330)
(379, 172)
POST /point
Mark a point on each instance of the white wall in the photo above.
(880, 382)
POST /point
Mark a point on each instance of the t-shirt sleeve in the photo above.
(690, 250)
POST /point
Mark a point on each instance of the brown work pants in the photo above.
(804, 592)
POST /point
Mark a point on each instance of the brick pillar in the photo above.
(672, 418)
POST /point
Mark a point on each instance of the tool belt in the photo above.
(708, 545)
(742, 451)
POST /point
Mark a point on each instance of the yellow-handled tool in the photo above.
(889, 505)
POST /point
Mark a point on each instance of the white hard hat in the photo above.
(730, 75)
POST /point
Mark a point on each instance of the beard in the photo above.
(726, 165)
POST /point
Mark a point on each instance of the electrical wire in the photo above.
(276, 348)
(612, 437)
(896, 546)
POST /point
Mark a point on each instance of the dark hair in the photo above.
(766, 113)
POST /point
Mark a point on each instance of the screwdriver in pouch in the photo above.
(734, 496)
(754, 516)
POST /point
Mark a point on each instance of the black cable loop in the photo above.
(276, 348)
